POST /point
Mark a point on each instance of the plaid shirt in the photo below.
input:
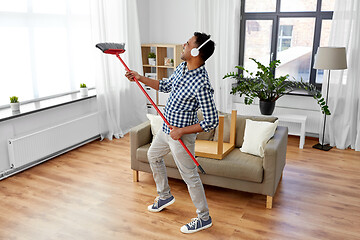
(189, 91)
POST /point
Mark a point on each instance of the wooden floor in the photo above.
(88, 194)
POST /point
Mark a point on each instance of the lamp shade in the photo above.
(330, 58)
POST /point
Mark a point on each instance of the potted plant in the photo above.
(152, 58)
(265, 86)
(83, 90)
(14, 104)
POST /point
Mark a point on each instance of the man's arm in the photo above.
(176, 133)
(205, 97)
(145, 80)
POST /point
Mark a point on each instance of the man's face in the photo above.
(190, 44)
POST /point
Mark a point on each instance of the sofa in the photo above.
(239, 171)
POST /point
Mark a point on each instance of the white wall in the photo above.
(166, 21)
(174, 21)
(144, 25)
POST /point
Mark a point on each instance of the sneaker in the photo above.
(160, 204)
(196, 225)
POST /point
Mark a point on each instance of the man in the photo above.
(190, 89)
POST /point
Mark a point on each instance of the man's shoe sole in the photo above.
(162, 207)
(196, 230)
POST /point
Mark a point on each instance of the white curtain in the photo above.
(221, 19)
(121, 104)
(343, 126)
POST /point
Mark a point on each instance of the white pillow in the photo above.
(156, 123)
(256, 135)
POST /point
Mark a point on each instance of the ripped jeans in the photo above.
(162, 145)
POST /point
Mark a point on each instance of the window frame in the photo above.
(275, 17)
(284, 37)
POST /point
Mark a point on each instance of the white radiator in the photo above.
(48, 142)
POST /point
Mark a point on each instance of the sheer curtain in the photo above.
(343, 128)
(221, 19)
(121, 104)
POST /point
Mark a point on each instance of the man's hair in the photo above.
(208, 49)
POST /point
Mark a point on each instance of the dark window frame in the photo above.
(275, 17)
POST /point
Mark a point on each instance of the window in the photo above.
(285, 35)
(285, 30)
(45, 48)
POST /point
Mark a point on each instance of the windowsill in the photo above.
(37, 106)
(300, 92)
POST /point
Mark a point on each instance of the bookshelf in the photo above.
(162, 51)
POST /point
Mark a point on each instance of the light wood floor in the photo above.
(88, 193)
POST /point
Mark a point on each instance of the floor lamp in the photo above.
(329, 58)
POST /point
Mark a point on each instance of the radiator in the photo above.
(50, 141)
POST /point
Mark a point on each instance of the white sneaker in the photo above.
(196, 225)
(160, 204)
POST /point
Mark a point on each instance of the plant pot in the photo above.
(84, 92)
(15, 107)
(152, 61)
(267, 107)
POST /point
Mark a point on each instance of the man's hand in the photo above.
(130, 75)
(176, 133)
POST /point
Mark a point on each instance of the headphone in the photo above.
(195, 51)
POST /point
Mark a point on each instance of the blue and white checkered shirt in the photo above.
(189, 91)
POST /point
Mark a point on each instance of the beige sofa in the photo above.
(239, 171)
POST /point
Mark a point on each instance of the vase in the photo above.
(266, 107)
(152, 61)
(15, 106)
(83, 92)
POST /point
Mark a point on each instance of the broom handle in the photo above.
(161, 115)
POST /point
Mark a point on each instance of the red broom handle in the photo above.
(161, 115)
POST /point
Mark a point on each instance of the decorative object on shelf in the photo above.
(14, 104)
(151, 75)
(152, 59)
(168, 61)
(83, 90)
(329, 58)
(265, 86)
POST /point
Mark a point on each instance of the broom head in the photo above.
(111, 48)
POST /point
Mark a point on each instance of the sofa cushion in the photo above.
(235, 165)
(156, 123)
(257, 134)
(240, 126)
(141, 155)
(227, 124)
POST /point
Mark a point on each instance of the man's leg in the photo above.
(158, 149)
(189, 173)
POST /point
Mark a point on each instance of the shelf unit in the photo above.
(162, 71)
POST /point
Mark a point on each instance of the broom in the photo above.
(117, 49)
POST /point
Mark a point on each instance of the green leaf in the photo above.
(263, 85)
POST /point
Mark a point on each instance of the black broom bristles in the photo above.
(113, 46)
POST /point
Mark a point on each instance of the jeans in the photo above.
(162, 145)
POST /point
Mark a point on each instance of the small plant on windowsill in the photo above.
(152, 58)
(265, 86)
(14, 104)
(83, 90)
